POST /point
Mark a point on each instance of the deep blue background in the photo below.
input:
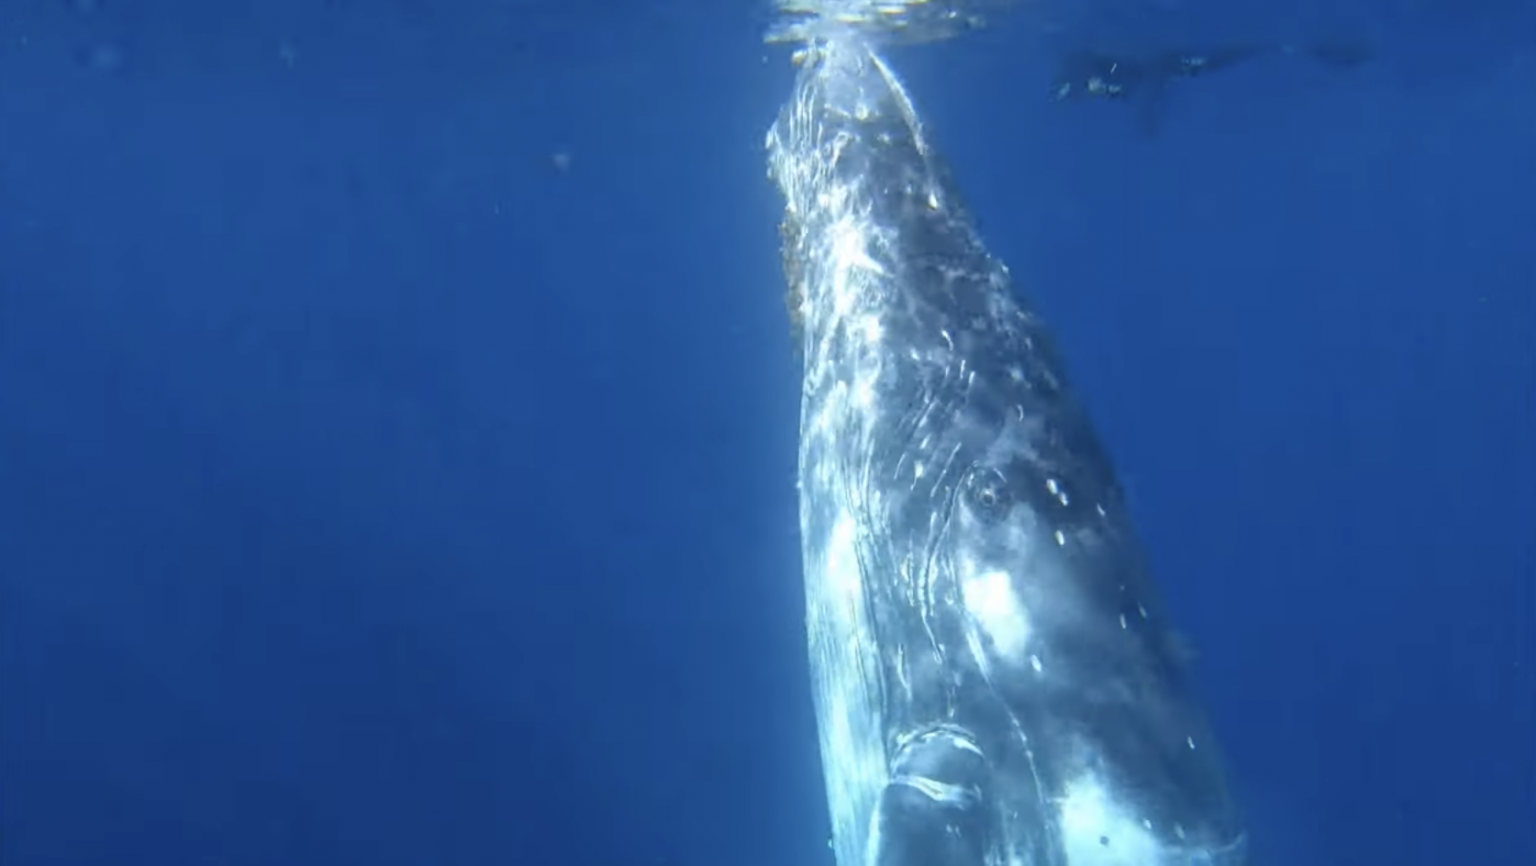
(374, 491)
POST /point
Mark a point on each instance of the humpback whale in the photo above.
(994, 679)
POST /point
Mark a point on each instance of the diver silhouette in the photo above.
(1087, 74)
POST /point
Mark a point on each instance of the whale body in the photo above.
(994, 679)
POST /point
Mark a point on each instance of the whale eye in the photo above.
(986, 491)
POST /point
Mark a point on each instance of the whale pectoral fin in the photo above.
(935, 811)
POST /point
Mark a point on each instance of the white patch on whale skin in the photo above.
(1096, 830)
(990, 598)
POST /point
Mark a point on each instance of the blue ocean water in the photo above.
(398, 418)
